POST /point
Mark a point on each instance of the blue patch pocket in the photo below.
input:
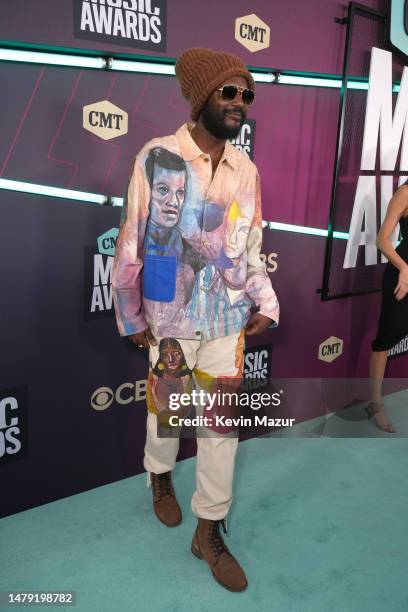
(159, 278)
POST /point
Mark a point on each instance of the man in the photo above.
(214, 277)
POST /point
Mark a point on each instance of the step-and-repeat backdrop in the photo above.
(72, 392)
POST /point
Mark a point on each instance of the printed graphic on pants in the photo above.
(223, 390)
(207, 390)
(167, 375)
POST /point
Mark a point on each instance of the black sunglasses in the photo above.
(229, 92)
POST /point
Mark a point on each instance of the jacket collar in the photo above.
(190, 150)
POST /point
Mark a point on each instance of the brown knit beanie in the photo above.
(201, 70)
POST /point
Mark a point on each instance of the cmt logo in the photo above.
(245, 141)
(13, 424)
(126, 393)
(105, 120)
(107, 242)
(398, 26)
(252, 33)
(330, 349)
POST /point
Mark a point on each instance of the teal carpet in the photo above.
(318, 525)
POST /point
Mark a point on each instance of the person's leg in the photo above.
(218, 369)
(378, 361)
(170, 371)
(159, 453)
(375, 409)
(212, 498)
(219, 365)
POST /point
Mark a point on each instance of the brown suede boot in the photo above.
(209, 545)
(164, 499)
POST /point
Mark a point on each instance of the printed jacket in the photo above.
(187, 258)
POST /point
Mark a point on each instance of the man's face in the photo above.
(168, 192)
(224, 118)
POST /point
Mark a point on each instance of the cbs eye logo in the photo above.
(102, 398)
(126, 393)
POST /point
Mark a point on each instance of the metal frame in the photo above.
(353, 9)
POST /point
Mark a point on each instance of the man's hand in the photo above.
(144, 338)
(257, 324)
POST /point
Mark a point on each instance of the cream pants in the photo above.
(177, 364)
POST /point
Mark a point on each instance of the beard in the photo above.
(214, 121)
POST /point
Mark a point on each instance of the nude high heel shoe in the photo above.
(374, 408)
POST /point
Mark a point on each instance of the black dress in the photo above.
(393, 324)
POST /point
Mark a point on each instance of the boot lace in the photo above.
(162, 485)
(215, 538)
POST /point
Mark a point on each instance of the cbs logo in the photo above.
(126, 393)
